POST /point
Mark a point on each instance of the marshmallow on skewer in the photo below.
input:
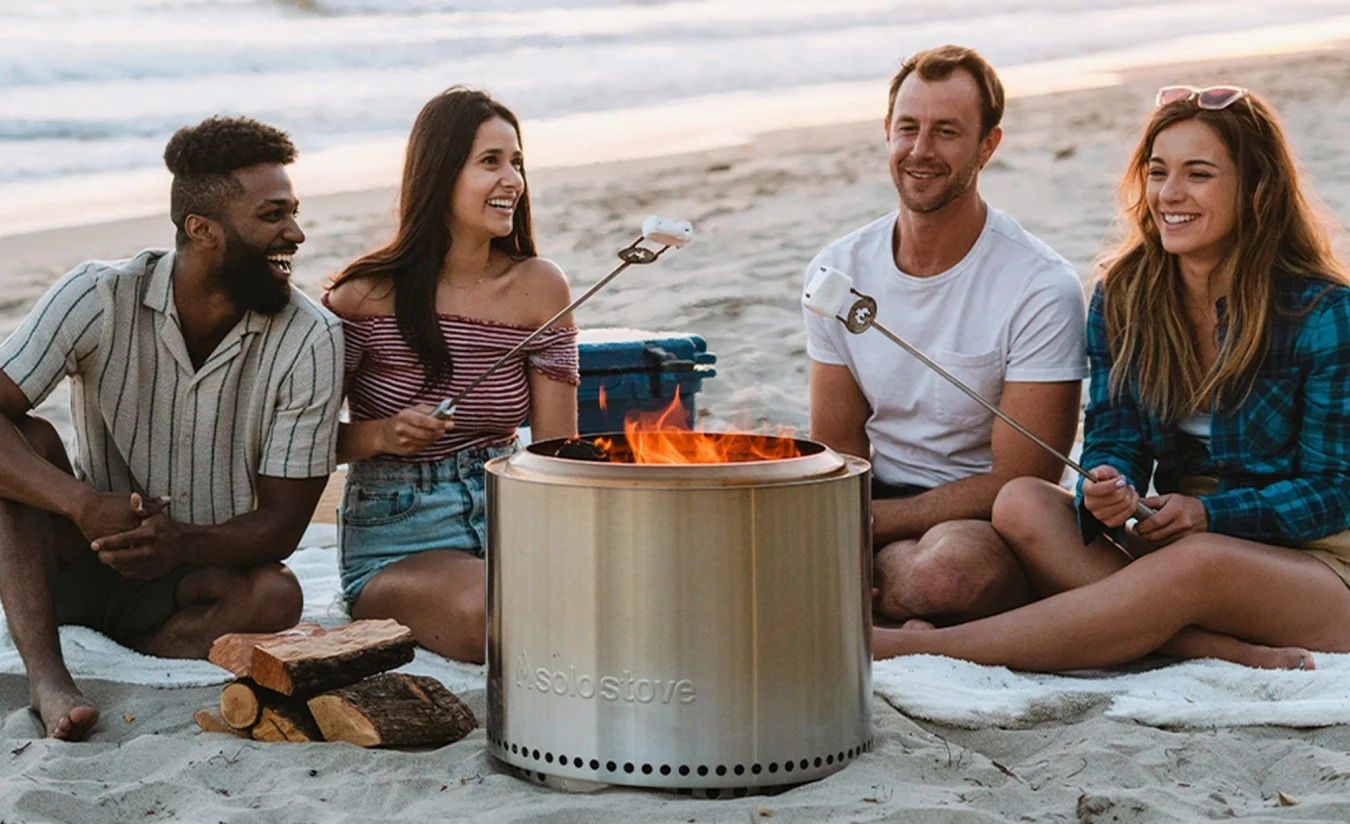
(667, 231)
(829, 293)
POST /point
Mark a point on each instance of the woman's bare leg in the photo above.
(1040, 524)
(1209, 581)
(440, 595)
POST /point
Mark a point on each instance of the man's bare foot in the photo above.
(65, 712)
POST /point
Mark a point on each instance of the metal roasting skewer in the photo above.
(828, 295)
(663, 230)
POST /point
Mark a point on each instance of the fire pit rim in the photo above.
(536, 462)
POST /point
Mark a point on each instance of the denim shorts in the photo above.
(393, 509)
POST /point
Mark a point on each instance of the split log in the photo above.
(304, 665)
(242, 702)
(393, 710)
(286, 722)
(234, 651)
(210, 721)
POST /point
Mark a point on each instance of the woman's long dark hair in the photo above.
(438, 148)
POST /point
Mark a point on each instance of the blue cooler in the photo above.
(639, 371)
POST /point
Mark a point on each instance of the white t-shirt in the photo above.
(1011, 311)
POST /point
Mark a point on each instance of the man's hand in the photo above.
(1177, 516)
(111, 513)
(146, 551)
(412, 430)
(1110, 498)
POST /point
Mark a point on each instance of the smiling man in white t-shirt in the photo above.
(998, 308)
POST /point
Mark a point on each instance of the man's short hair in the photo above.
(938, 64)
(202, 159)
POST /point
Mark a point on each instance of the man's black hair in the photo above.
(202, 159)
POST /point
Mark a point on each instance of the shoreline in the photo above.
(709, 122)
(762, 209)
(849, 105)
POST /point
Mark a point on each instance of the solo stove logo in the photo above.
(571, 684)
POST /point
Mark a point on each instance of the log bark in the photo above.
(210, 721)
(242, 702)
(304, 665)
(286, 722)
(393, 710)
(234, 651)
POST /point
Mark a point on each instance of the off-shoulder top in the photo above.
(384, 376)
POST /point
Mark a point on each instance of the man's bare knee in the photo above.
(955, 570)
(274, 596)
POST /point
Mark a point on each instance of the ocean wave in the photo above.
(126, 74)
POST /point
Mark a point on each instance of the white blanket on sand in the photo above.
(90, 654)
(956, 693)
(1189, 694)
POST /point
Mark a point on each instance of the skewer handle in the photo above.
(830, 293)
(444, 411)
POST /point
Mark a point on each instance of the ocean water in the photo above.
(92, 88)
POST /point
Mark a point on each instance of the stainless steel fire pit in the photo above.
(680, 626)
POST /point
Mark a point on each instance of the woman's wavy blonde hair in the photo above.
(1280, 232)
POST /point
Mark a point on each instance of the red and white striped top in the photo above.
(384, 376)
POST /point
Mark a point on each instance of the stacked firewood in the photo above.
(312, 684)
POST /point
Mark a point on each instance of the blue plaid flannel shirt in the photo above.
(1282, 458)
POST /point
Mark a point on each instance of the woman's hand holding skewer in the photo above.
(412, 430)
(1177, 516)
(1110, 498)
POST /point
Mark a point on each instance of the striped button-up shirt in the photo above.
(265, 402)
(1282, 458)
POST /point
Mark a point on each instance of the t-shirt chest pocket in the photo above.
(981, 372)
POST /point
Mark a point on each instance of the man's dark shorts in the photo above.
(92, 594)
(882, 491)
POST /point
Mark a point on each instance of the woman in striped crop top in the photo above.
(424, 316)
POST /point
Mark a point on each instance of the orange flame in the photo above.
(664, 437)
(604, 401)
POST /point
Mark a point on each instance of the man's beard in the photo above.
(248, 277)
(953, 189)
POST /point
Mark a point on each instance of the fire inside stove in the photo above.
(664, 437)
(678, 609)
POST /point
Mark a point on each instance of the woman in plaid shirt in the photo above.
(1219, 338)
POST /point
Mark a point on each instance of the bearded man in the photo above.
(998, 308)
(205, 396)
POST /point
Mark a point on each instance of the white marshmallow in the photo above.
(828, 293)
(667, 231)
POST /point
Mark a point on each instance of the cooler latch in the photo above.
(660, 360)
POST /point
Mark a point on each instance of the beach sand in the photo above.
(762, 210)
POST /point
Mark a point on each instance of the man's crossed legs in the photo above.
(178, 615)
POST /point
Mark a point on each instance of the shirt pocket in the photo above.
(981, 372)
(378, 504)
(1272, 413)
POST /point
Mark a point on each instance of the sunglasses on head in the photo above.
(1211, 97)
